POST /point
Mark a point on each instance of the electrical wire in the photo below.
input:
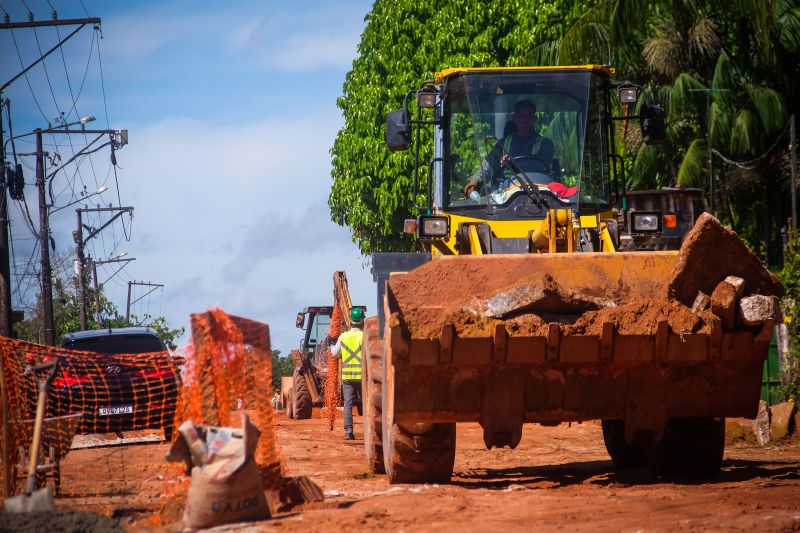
(753, 163)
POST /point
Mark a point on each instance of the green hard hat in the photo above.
(357, 314)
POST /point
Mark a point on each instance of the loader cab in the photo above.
(478, 125)
(580, 178)
(315, 321)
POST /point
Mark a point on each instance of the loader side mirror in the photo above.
(398, 130)
(300, 320)
(652, 124)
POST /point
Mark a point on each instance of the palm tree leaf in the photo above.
(663, 54)
(703, 38)
(694, 167)
(645, 169)
(725, 78)
(587, 38)
(721, 124)
(770, 109)
(546, 54)
(625, 17)
(744, 134)
(788, 25)
(685, 96)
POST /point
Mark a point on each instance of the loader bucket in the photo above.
(509, 339)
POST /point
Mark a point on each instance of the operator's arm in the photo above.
(336, 348)
(490, 167)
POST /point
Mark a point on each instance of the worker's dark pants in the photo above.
(350, 391)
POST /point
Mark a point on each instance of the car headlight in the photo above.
(433, 226)
(646, 222)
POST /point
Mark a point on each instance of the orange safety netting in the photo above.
(229, 369)
(332, 377)
(89, 393)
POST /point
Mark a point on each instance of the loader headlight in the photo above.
(433, 227)
(646, 222)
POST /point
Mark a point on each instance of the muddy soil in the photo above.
(559, 478)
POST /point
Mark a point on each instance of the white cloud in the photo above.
(237, 218)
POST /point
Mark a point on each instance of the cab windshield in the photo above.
(526, 133)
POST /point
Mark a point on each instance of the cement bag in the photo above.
(226, 482)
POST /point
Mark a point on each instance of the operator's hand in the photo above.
(472, 185)
(505, 158)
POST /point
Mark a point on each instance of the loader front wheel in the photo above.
(302, 396)
(413, 453)
(371, 388)
(623, 455)
(419, 453)
(690, 447)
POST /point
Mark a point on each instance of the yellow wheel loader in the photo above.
(523, 230)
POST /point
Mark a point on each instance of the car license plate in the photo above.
(115, 410)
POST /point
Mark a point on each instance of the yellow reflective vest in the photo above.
(351, 342)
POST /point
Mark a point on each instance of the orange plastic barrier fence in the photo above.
(229, 368)
(89, 393)
(332, 377)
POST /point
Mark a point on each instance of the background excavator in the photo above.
(545, 295)
(305, 389)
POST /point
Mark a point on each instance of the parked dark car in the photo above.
(114, 388)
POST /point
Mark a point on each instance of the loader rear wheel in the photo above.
(371, 386)
(302, 396)
(690, 447)
(290, 403)
(623, 455)
(414, 453)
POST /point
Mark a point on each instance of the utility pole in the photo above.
(44, 245)
(80, 242)
(98, 286)
(144, 284)
(708, 142)
(5, 257)
(119, 138)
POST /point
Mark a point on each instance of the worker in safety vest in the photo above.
(349, 348)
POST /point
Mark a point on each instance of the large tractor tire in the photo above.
(302, 397)
(290, 403)
(414, 453)
(623, 455)
(371, 390)
(690, 447)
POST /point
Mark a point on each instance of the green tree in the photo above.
(403, 44)
(281, 367)
(790, 277)
(727, 71)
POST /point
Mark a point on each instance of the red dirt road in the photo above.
(559, 478)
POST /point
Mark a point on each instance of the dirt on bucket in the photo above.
(523, 296)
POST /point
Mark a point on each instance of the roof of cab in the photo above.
(446, 73)
(94, 333)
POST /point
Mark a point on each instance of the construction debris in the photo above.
(754, 310)
(782, 420)
(709, 254)
(701, 302)
(725, 300)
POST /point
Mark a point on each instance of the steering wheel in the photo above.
(545, 168)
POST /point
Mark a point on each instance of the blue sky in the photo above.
(231, 112)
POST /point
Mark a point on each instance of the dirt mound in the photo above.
(66, 521)
(711, 252)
